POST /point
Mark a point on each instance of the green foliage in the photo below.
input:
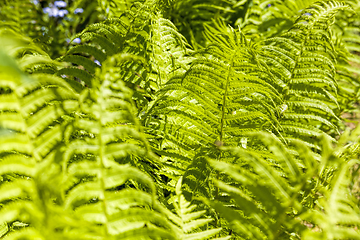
(270, 204)
(180, 120)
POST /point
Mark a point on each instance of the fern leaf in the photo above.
(88, 160)
(228, 94)
(191, 222)
(306, 56)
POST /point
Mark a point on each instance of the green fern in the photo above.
(304, 60)
(219, 104)
(345, 30)
(190, 219)
(19, 16)
(153, 36)
(190, 16)
(219, 100)
(84, 164)
(272, 205)
(22, 138)
(134, 135)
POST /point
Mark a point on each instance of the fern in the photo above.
(347, 48)
(77, 166)
(190, 219)
(22, 146)
(219, 100)
(153, 35)
(281, 198)
(217, 105)
(19, 16)
(306, 57)
(165, 122)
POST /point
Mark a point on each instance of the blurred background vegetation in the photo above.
(52, 24)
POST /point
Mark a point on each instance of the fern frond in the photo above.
(338, 216)
(273, 204)
(168, 50)
(22, 130)
(190, 17)
(304, 59)
(192, 221)
(347, 45)
(217, 100)
(217, 97)
(19, 16)
(102, 190)
(224, 90)
(138, 31)
(83, 141)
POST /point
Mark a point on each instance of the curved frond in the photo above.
(304, 59)
(282, 198)
(84, 144)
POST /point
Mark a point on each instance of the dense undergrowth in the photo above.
(186, 119)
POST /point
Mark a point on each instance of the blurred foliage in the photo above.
(53, 26)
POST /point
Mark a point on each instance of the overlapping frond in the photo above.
(346, 32)
(217, 99)
(31, 117)
(191, 16)
(138, 31)
(133, 135)
(85, 144)
(216, 102)
(271, 204)
(304, 59)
